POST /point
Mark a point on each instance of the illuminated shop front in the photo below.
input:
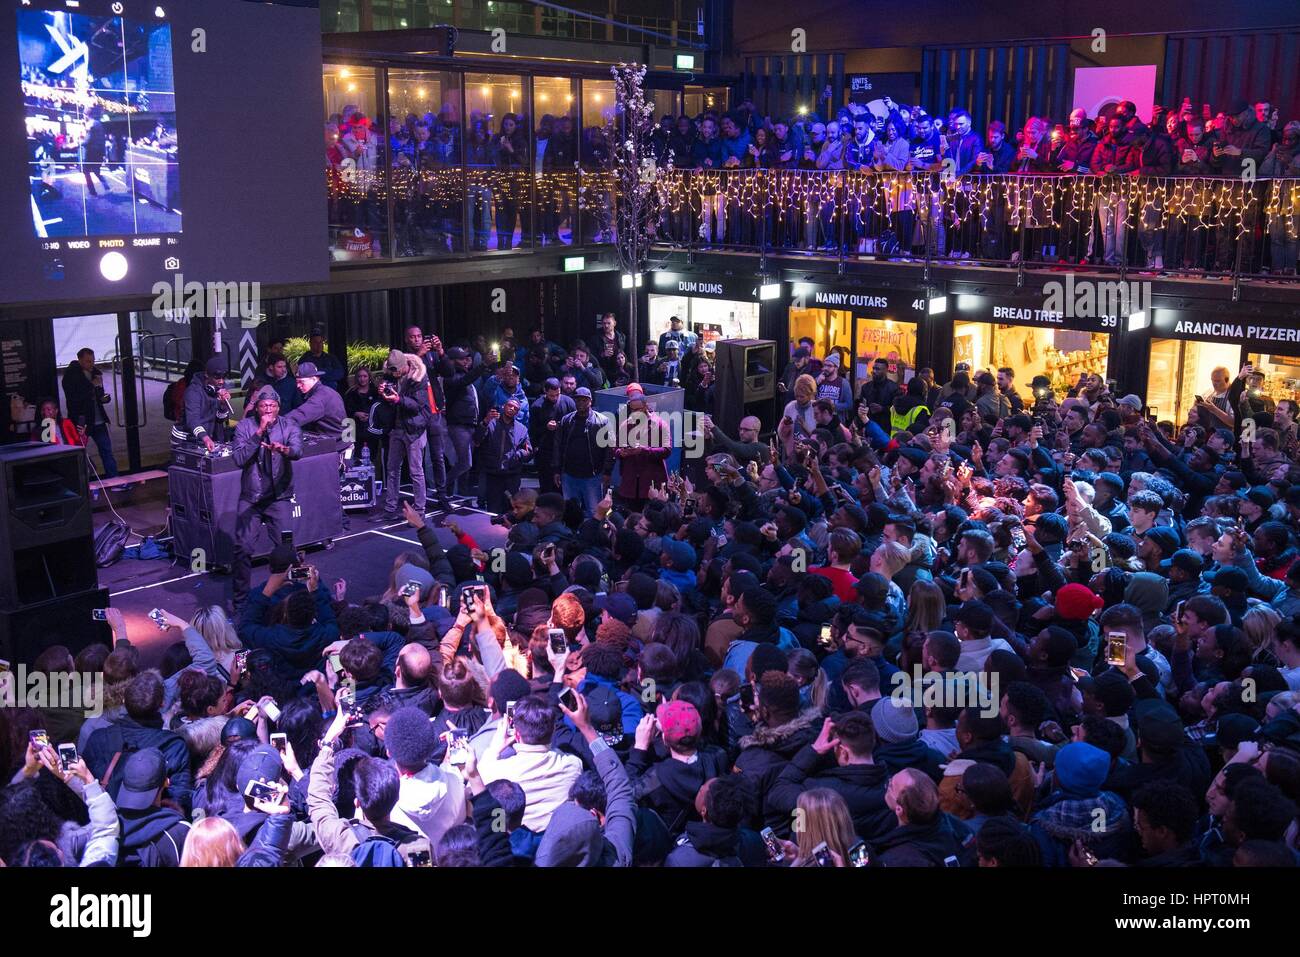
(1187, 347)
(991, 334)
(725, 308)
(863, 324)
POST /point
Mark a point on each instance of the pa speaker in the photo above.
(746, 381)
(26, 632)
(46, 533)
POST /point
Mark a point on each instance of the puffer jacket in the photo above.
(270, 477)
(766, 750)
(412, 405)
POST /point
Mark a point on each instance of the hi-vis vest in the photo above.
(902, 421)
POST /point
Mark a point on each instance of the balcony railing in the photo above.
(408, 212)
(1194, 227)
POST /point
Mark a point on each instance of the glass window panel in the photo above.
(1180, 370)
(355, 156)
(555, 157)
(498, 162)
(425, 145)
(598, 108)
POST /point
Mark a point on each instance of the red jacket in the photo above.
(644, 465)
(65, 434)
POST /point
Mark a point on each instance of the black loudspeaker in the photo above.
(26, 632)
(47, 550)
(746, 381)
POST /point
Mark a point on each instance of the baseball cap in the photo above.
(143, 777)
(1233, 579)
(307, 370)
(678, 720)
(456, 352)
(1185, 558)
(620, 606)
(263, 763)
(582, 392)
(604, 710)
(1131, 400)
(975, 614)
(238, 729)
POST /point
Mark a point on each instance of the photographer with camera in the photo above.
(265, 448)
(404, 388)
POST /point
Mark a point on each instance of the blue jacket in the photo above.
(632, 710)
(498, 396)
(296, 650)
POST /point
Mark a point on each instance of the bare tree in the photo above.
(631, 195)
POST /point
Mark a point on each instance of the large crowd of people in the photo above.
(1127, 190)
(492, 165)
(1119, 201)
(945, 625)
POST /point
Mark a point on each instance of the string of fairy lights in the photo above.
(452, 184)
(781, 196)
(1025, 202)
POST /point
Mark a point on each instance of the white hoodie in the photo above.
(432, 802)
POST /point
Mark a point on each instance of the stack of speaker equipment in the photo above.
(48, 581)
(745, 383)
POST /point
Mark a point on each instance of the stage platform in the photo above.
(363, 556)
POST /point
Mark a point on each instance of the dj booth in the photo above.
(204, 493)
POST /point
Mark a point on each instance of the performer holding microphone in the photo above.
(265, 448)
(207, 407)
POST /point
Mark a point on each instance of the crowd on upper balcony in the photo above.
(1173, 141)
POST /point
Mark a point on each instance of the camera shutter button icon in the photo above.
(117, 8)
(171, 262)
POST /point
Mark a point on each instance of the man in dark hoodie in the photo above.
(597, 826)
(153, 835)
(718, 839)
(925, 835)
(849, 741)
(668, 787)
(308, 625)
(264, 764)
(1164, 753)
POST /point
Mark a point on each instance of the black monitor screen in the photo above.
(160, 140)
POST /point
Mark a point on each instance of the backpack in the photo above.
(171, 398)
(379, 850)
(111, 779)
(164, 852)
(109, 542)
